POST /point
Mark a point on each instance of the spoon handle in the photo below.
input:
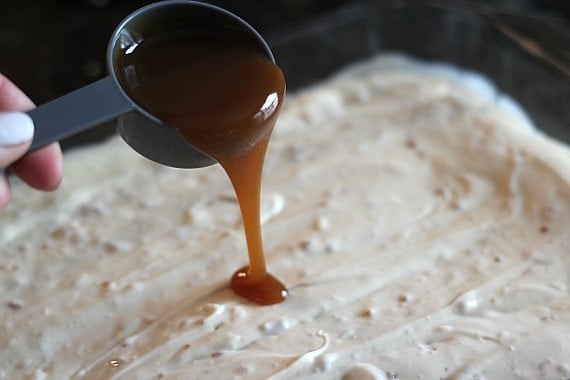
(77, 111)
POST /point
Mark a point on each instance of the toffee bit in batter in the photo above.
(14, 305)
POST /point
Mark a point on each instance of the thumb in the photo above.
(16, 132)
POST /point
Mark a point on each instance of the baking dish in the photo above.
(308, 54)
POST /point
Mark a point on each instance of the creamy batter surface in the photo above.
(418, 220)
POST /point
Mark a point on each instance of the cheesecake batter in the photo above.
(417, 218)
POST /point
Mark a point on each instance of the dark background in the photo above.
(51, 47)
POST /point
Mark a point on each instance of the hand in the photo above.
(41, 169)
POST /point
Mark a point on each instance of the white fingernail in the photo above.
(15, 128)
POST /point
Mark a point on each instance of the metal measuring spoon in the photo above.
(106, 100)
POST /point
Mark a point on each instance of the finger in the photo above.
(12, 98)
(16, 131)
(41, 169)
(4, 191)
(10, 154)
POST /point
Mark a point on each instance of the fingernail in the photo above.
(15, 128)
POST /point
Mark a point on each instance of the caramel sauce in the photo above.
(219, 90)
